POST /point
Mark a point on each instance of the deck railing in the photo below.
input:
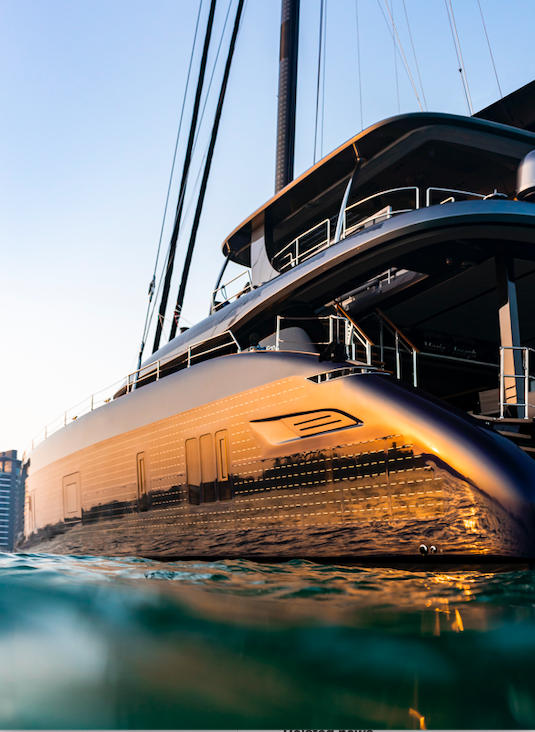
(338, 329)
(401, 343)
(515, 387)
(359, 222)
(146, 374)
(224, 292)
(305, 245)
(344, 331)
(451, 198)
(354, 220)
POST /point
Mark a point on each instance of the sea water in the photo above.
(96, 642)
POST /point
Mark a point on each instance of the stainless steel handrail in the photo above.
(160, 362)
(385, 213)
(297, 258)
(400, 339)
(210, 350)
(378, 195)
(524, 351)
(449, 190)
(351, 333)
(360, 334)
(223, 290)
(294, 259)
(153, 369)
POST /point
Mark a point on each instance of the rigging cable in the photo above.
(188, 209)
(400, 51)
(198, 132)
(395, 55)
(194, 148)
(183, 182)
(204, 183)
(318, 81)
(358, 62)
(490, 49)
(414, 54)
(459, 53)
(323, 79)
(153, 280)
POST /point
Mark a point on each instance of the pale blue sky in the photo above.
(91, 92)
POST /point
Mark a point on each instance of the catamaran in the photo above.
(363, 392)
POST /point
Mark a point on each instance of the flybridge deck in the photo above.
(407, 152)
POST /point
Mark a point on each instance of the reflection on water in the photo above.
(91, 642)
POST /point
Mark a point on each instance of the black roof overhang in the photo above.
(379, 146)
(516, 109)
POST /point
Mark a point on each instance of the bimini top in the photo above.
(420, 149)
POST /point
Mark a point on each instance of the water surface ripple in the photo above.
(130, 643)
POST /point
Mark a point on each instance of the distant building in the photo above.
(11, 500)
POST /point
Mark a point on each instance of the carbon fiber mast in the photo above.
(284, 171)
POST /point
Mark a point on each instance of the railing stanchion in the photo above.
(526, 410)
(278, 333)
(502, 385)
(231, 334)
(381, 340)
(522, 398)
(398, 356)
(414, 369)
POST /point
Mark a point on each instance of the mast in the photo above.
(284, 172)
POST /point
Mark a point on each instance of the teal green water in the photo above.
(130, 643)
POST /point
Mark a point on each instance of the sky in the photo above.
(91, 94)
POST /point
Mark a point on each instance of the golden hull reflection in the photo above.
(352, 467)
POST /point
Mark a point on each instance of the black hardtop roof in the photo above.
(332, 172)
(516, 109)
